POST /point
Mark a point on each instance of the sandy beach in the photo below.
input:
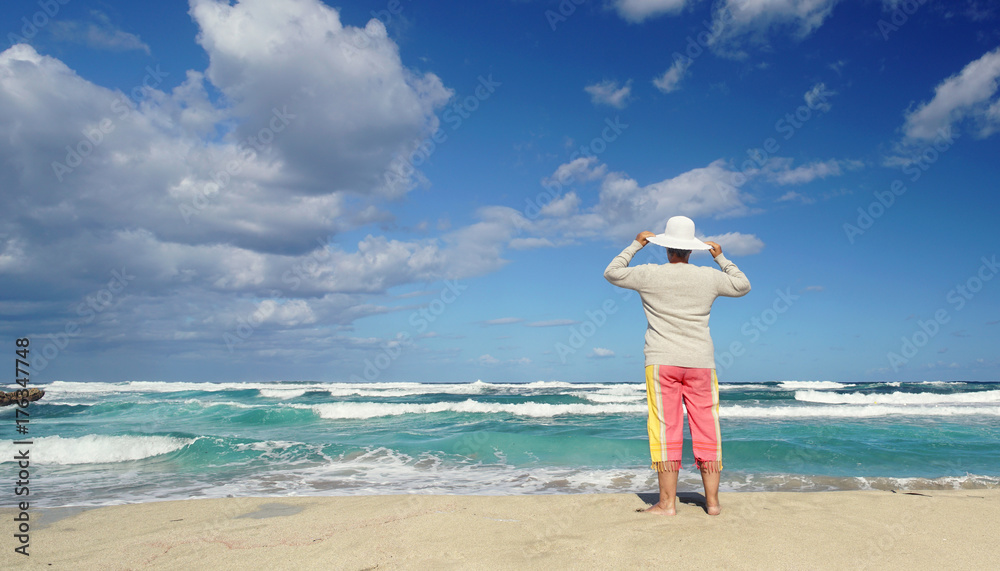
(824, 530)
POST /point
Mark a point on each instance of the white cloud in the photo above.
(601, 353)
(809, 172)
(503, 321)
(491, 361)
(753, 21)
(102, 35)
(967, 95)
(296, 54)
(670, 79)
(792, 195)
(700, 192)
(624, 207)
(565, 205)
(609, 93)
(816, 97)
(529, 243)
(261, 212)
(582, 169)
(487, 360)
(639, 10)
(737, 243)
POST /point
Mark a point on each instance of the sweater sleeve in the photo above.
(733, 283)
(618, 272)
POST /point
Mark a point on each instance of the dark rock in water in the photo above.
(15, 397)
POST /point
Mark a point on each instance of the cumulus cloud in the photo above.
(296, 54)
(737, 243)
(582, 169)
(639, 10)
(564, 205)
(968, 96)
(211, 205)
(608, 92)
(601, 353)
(671, 78)
(624, 207)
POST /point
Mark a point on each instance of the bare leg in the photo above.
(711, 481)
(668, 494)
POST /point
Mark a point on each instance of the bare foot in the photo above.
(662, 509)
(713, 510)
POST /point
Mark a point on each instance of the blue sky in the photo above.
(430, 191)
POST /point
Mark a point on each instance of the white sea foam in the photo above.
(99, 388)
(95, 448)
(899, 398)
(854, 411)
(282, 394)
(622, 393)
(744, 387)
(533, 409)
(211, 403)
(600, 397)
(813, 483)
(795, 385)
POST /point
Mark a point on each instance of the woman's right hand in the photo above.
(716, 249)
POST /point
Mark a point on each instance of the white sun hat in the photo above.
(679, 234)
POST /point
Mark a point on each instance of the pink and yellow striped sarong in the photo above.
(666, 388)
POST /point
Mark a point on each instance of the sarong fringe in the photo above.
(710, 466)
(667, 466)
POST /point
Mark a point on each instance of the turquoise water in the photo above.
(105, 443)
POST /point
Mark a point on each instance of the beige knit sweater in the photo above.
(677, 299)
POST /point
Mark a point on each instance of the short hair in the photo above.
(678, 253)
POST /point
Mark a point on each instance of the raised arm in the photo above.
(734, 283)
(618, 272)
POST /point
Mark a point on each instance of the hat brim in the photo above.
(678, 244)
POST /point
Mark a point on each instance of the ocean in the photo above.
(98, 443)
